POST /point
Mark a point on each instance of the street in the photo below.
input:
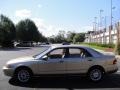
(111, 82)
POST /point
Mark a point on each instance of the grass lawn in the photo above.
(99, 47)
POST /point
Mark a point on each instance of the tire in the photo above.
(95, 74)
(23, 75)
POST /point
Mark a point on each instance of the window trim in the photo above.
(83, 49)
(69, 48)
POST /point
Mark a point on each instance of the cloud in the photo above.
(0, 11)
(49, 30)
(44, 28)
(87, 28)
(24, 13)
(39, 5)
(40, 23)
(52, 30)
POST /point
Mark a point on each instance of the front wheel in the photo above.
(95, 75)
(23, 75)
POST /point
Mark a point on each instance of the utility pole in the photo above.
(111, 14)
(100, 25)
(95, 18)
(101, 19)
(105, 28)
(111, 26)
(105, 22)
(95, 29)
(112, 8)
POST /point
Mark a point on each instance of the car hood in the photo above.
(22, 59)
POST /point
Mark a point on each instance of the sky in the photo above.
(50, 16)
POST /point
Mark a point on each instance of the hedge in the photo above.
(102, 45)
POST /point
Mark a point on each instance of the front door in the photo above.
(54, 63)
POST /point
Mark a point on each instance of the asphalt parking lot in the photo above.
(111, 82)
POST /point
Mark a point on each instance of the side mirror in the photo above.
(44, 58)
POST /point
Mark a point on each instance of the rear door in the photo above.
(78, 61)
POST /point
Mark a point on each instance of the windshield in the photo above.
(42, 51)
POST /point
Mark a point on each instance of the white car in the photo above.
(61, 60)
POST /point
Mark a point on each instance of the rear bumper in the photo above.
(112, 71)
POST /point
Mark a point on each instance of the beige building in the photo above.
(105, 36)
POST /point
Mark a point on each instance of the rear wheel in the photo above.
(23, 75)
(95, 74)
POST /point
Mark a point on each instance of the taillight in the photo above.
(115, 61)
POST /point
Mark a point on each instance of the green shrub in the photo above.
(117, 49)
(111, 45)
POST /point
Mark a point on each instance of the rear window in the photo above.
(95, 53)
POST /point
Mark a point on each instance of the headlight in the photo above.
(9, 66)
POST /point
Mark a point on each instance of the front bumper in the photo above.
(8, 71)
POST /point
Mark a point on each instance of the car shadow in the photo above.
(70, 83)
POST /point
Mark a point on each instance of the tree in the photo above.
(60, 37)
(117, 48)
(79, 37)
(51, 39)
(7, 32)
(27, 31)
(43, 39)
(70, 36)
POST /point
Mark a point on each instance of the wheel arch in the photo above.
(23, 67)
(96, 66)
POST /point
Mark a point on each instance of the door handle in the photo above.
(61, 61)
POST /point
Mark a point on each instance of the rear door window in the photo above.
(78, 52)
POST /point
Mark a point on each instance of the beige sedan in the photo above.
(61, 60)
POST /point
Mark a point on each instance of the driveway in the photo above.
(110, 82)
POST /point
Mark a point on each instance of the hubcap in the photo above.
(23, 75)
(95, 75)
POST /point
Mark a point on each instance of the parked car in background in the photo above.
(25, 44)
(45, 43)
(65, 43)
(60, 60)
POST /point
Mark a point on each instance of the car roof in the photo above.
(67, 46)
